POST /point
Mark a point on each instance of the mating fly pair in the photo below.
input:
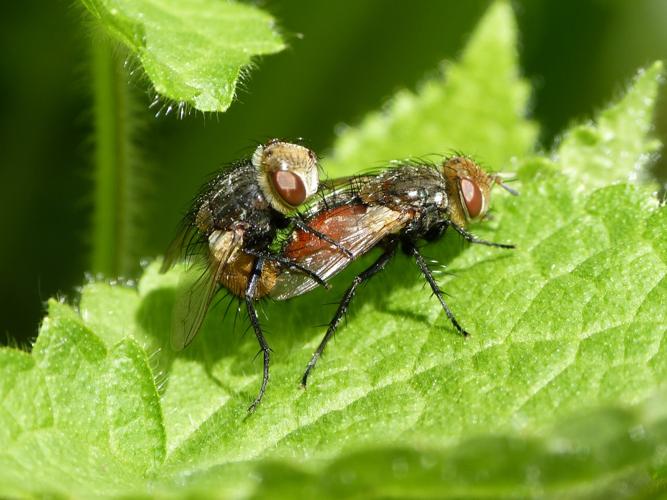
(237, 217)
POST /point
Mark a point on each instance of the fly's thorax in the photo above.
(287, 174)
(411, 187)
(469, 189)
(233, 196)
(429, 218)
(245, 209)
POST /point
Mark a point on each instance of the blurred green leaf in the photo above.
(119, 171)
(477, 107)
(193, 51)
(602, 453)
(556, 393)
(622, 134)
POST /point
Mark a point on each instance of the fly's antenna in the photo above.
(498, 179)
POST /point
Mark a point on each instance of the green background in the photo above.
(350, 58)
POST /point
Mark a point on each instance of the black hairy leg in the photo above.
(412, 250)
(290, 264)
(474, 239)
(376, 267)
(254, 321)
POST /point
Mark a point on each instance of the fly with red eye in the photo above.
(395, 208)
(229, 230)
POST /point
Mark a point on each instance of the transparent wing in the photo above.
(194, 294)
(184, 245)
(353, 183)
(335, 193)
(357, 227)
(339, 183)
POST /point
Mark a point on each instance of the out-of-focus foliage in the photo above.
(438, 118)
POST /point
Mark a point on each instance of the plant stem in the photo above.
(112, 173)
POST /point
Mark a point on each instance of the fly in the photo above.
(395, 208)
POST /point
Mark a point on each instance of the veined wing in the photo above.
(196, 289)
(347, 183)
(357, 227)
(333, 193)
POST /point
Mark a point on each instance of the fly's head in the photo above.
(468, 189)
(287, 173)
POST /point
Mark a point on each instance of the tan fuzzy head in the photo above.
(287, 173)
(468, 189)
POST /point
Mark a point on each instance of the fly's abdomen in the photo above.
(234, 266)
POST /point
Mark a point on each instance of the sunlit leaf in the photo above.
(193, 51)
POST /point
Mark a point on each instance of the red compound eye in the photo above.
(472, 196)
(289, 187)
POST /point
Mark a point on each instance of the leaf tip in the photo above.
(497, 24)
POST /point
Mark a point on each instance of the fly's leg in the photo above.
(411, 249)
(474, 239)
(290, 264)
(252, 314)
(376, 267)
(306, 228)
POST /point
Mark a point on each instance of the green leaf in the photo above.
(600, 453)
(86, 417)
(557, 392)
(193, 51)
(619, 146)
(477, 107)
